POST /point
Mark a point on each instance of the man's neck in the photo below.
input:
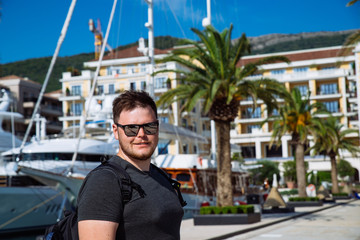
(142, 165)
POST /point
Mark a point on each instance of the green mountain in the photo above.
(36, 68)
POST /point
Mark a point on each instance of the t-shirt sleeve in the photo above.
(100, 197)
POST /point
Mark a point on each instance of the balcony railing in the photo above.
(329, 73)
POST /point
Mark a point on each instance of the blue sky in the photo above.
(30, 29)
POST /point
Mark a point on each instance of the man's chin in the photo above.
(141, 157)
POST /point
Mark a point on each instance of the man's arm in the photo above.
(97, 229)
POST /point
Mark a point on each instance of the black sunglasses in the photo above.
(132, 130)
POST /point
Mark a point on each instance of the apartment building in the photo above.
(331, 79)
(123, 70)
(25, 93)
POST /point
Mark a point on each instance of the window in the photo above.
(184, 177)
(328, 68)
(303, 89)
(278, 72)
(330, 88)
(163, 147)
(109, 71)
(248, 151)
(275, 112)
(130, 68)
(143, 85)
(332, 106)
(301, 70)
(184, 122)
(142, 67)
(248, 113)
(111, 88)
(76, 108)
(100, 89)
(274, 151)
(133, 86)
(185, 148)
(252, 128)
(160, 82)
(195, 149)
(164, 119)
(76, 90)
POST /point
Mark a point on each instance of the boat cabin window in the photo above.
(183, 177)
(58, 156)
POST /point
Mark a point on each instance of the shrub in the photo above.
(290, 192)
(340, 194)
(227, 209)
(303, 199)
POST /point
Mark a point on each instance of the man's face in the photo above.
(141, 146)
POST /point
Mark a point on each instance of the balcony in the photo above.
(53, 110)
(321, 95)
(71, 96)
(305, 76)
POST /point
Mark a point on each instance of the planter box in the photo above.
(305, 203)
(226, 219)
(341, 197)
(278, 210)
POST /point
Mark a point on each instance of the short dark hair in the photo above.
(130, 100)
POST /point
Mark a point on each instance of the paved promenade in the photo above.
(242, 231)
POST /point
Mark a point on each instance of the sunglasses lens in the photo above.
(131, 130)
(151, 128)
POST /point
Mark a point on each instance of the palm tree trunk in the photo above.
(300, 169)
(223, 158)
(334, 180)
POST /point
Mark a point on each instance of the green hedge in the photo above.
(303, 199)
(227, 209)
(340, 194)
(290, 192)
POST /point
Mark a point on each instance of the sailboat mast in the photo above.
(53, 60)
(207, 22)
(150, 26)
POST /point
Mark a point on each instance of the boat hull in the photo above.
(29, 208)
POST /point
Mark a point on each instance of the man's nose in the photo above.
(141, 132)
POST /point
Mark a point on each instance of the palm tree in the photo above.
(330, 137)
(214, 78)
(295, 118)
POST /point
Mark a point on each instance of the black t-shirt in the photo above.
(156, 216)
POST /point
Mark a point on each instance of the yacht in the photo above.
(26, 204)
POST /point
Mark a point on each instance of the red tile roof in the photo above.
(130, 52)
(299, 55)
(14, 77)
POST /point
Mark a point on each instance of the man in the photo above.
(158, 214)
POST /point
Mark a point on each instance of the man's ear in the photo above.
(115, 131)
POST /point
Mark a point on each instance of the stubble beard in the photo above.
(134, 155)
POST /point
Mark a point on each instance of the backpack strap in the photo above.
(126, 184)
(175, 184)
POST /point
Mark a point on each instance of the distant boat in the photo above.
(7, 139)
(26, 204)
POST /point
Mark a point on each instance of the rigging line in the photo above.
(176, 19)
(29, 210)
(192, 17)
(91, 94)
(118, 31)
(53, 60)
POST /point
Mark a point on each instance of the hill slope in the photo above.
(36, 69)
